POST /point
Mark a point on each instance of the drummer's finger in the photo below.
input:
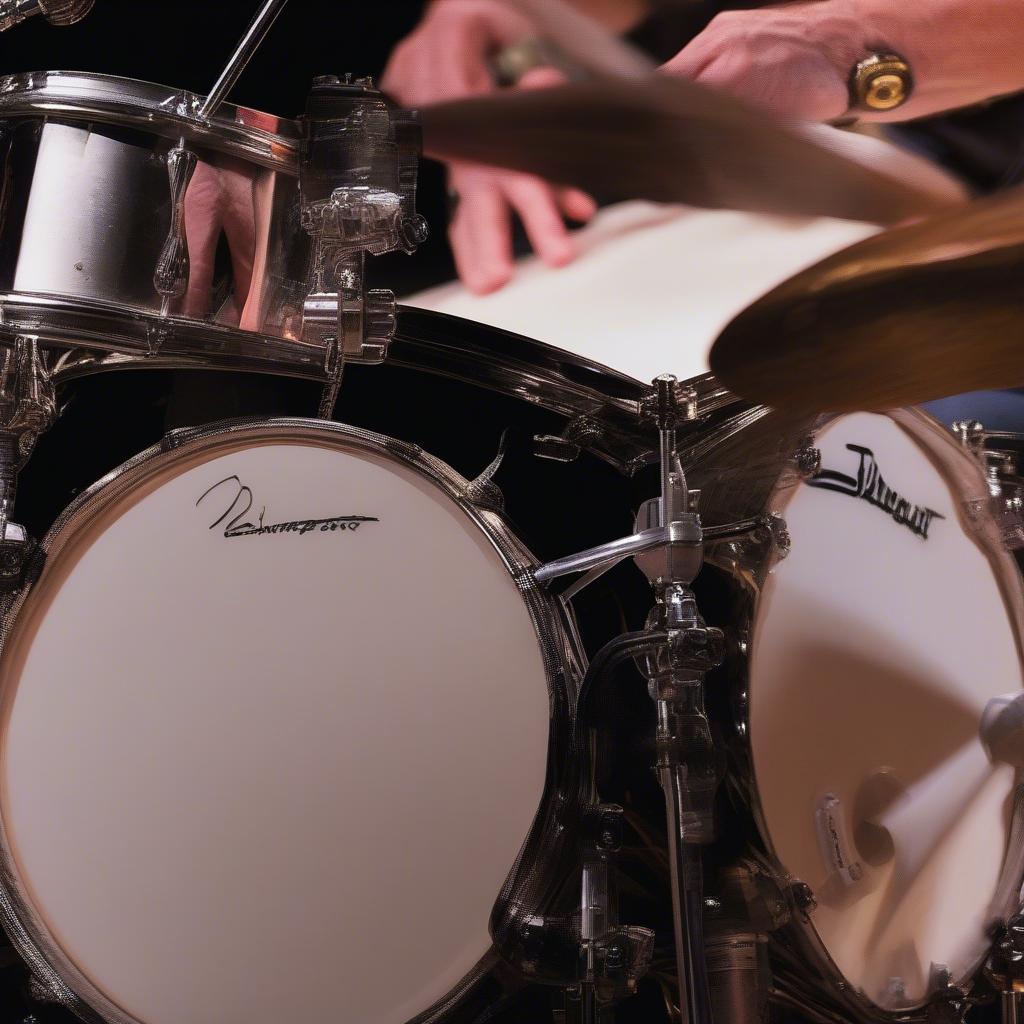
(541, 78)
(537, 206)
(480, 233)
(576, 205)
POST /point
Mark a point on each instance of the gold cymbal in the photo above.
(910, 315)
(670, 140)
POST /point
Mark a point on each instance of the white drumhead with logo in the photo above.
(877, 644)
(276, 723)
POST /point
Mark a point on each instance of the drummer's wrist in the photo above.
(957, 54)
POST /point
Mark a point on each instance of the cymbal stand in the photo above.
(675, 651)
(688, 766)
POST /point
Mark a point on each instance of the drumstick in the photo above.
(585, 41)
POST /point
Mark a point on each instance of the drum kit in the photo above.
(265, 756)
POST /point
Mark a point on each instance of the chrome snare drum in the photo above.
(132, 223)
(882, 639)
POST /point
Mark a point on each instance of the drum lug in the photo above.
(803, 898)
(807, 460)
(170, 278)
(581, 433)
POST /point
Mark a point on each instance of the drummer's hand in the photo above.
(446, 57)
(481, 232)
(793, 60)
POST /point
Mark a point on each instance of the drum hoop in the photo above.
(140, 335)
(160, 110)
(933, 440)
(100, 337)
(559, 645)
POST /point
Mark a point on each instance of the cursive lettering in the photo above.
(236, 523)
(869, 485)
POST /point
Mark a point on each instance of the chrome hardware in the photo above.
(247, 46)
(357, 182)
(579, 434)
(688, 766)
(612, 958)
(739, 977)
(1005, 485)
(616, 550)
(170, 278)
(683, 648)
(27, 409)
(1005, 969)
(671, 402)
(970, 433)
(807, 461)
(56, 12)
(803, 897)
(482, 491)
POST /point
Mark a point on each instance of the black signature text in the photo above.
(238, 523)
(869, 485)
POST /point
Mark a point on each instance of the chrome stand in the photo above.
(678, 649)
(687, 763)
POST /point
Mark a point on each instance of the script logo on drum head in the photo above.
(869, 485)
(240, 505)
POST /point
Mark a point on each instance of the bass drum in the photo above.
(259, 709)
(876, 645)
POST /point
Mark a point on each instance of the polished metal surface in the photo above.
(202, 215)
(56, 12)
(147, 227)
(83, 96)
(682, 532)
(168, 210)
(914, 314)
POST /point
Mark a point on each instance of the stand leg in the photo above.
(688, 905)
(1013, 1007)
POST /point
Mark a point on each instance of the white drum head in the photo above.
(270, 762)
(652, 286)
(877, 644)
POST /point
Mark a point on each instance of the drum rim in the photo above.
(927, 431)
(97, 336)
(147, 106)
(560, 648)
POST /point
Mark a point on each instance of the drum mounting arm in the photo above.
(357, 184)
